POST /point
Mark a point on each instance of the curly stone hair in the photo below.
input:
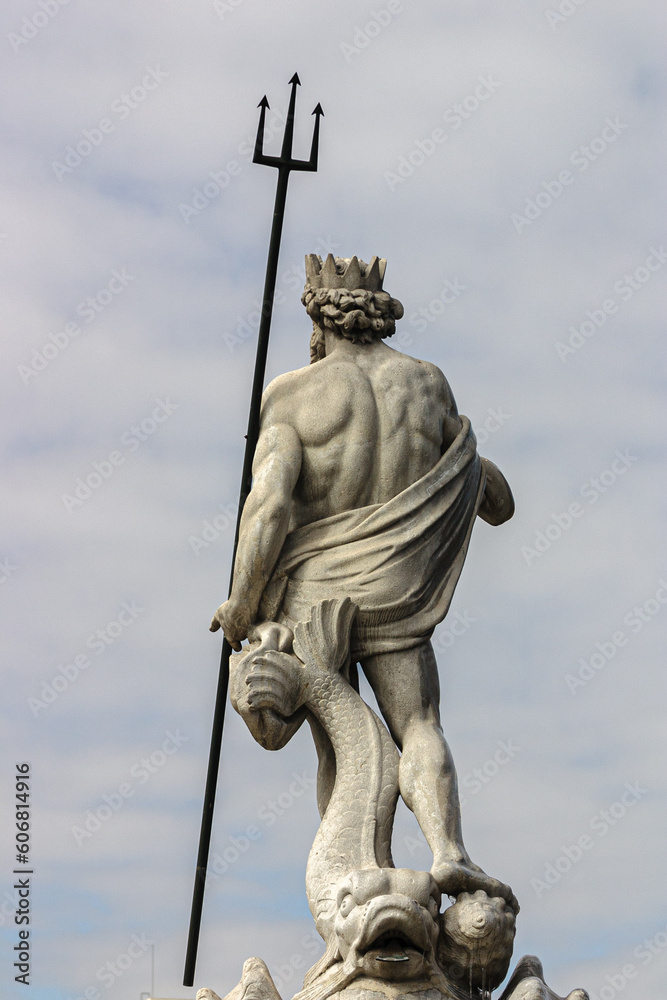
(358, 315)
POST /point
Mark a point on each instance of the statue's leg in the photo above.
(407, 689)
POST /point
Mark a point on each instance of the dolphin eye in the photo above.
(346, 905)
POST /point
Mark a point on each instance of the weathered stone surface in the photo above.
(526, 983)
(367, 484)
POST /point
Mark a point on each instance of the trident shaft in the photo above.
(285, 164)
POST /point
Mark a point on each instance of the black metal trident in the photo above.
(285, 164)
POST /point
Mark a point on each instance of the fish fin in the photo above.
(527, 968)
(257, 981)
(324, 987)
(330, 956)
(324, 640)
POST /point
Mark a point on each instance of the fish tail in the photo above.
(324, 640)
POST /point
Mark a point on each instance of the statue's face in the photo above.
(387, 922)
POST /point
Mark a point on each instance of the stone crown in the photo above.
(345, 272)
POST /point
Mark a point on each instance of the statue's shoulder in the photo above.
(312, 378)
(426, 369)
(289, 382)
(282, 395)
(424, 372)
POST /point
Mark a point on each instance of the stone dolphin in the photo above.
(379, 924)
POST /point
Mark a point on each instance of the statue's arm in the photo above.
(442, 397)
(497, 506)
(264, 523)
(498, 503)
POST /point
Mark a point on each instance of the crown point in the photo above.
(345, 272)
(373, 275)
(329, 274)
(295, 79)
(313, 268)
(352, 277)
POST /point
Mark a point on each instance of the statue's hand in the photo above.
(253, 681)
(234, 621)
(498, 503)
(274, 682)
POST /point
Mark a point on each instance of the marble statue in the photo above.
(366, 487)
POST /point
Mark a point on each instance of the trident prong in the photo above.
(286, 151)
(285, 164)
(259, 141)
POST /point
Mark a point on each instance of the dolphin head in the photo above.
(386, 922)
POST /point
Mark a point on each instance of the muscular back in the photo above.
(354, 429)
(369, 421)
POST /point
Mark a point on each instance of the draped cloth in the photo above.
(399, 562)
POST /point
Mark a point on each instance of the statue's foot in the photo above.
(455, 877)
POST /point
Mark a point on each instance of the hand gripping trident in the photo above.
(285, 164)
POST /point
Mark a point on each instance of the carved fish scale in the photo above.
(366, 786)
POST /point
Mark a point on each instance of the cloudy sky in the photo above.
(508, 160)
